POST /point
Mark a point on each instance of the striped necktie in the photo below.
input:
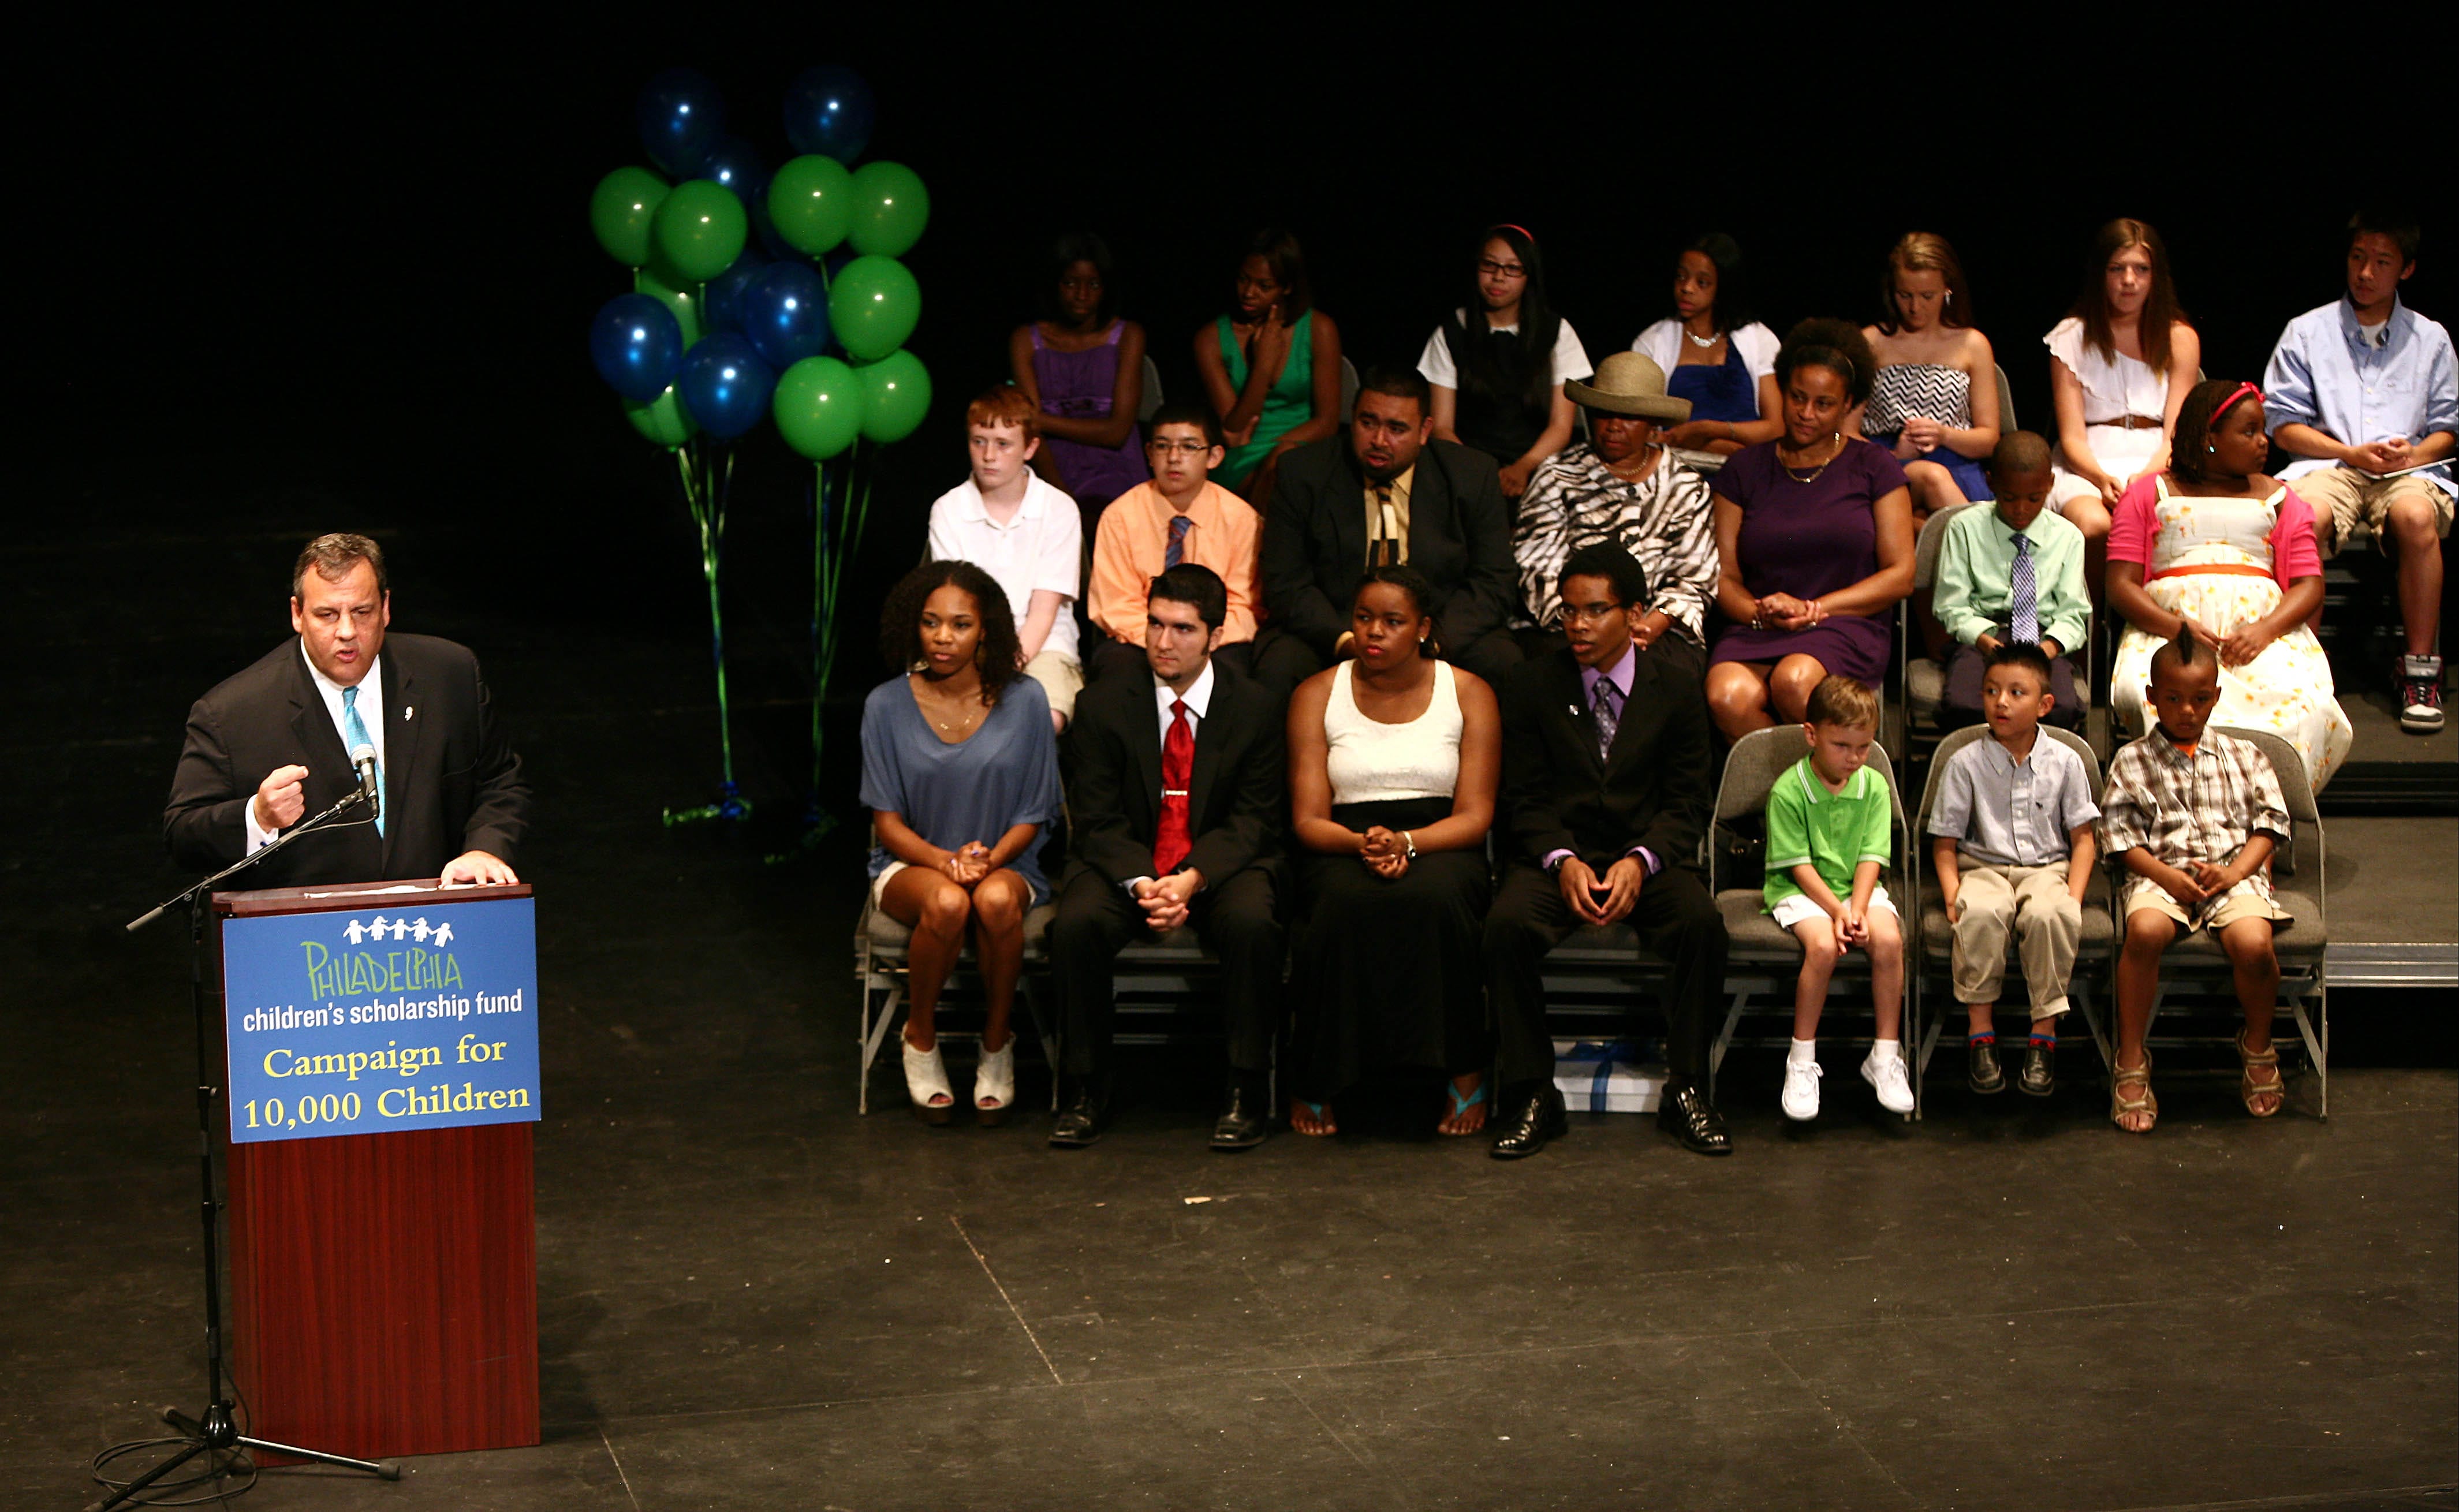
(354, 731)
(1176, 551)
(2024, 615)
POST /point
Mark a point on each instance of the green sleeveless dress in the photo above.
(1288, 404)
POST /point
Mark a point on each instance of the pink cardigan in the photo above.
(2293, 552)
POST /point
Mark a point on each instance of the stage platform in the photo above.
(751, 1296)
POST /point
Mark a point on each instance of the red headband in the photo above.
(2235, 395)
(1505, 225)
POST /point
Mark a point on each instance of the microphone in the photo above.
(363, 756)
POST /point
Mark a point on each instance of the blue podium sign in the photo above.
(421, 1016)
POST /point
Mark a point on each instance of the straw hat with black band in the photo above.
(1628, 383)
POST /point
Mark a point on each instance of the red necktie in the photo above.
(1171, 843)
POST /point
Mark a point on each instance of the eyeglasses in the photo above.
(1590, 613)
(1493, 269)
(1185, 448)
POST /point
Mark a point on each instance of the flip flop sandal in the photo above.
(2250, 1086)
(1459, 1106)
(1320, 1112)
(2121, 1080)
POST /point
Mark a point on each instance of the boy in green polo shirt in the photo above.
(1829, 834)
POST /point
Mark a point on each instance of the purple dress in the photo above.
(1807, 540)
(1080, 384)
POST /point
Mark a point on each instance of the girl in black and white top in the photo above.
(1498, 363)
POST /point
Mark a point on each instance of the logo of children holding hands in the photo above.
(360, 1023)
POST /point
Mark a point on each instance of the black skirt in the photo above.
(1388, 972)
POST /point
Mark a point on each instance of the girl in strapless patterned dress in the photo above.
(1934, 404)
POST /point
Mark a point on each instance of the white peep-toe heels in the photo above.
(926, 1076)
(995, 1083)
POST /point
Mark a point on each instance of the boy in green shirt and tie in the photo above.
(2012, 574)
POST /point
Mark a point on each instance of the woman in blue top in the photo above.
(1715, 353)
(1271, 366)
(960, 772)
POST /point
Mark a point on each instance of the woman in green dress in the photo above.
(1271, 366)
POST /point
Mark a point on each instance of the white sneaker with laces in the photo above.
(1801, 1090)
(1887, 1076)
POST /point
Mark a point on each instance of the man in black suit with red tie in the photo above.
(1607, 786)
(1178, 804)
(273, 743)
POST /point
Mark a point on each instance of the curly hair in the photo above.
(2189, 451)
(900, 624)
(1422, 598)
(1835, 344)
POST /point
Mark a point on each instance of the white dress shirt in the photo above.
(1040, 547)
(370, 714)
(1199, 698)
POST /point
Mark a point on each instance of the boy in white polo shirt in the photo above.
(1025, 534)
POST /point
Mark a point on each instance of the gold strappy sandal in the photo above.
(2122, 1080)
(2250, 1086)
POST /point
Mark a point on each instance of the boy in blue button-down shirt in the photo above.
(2364, 390)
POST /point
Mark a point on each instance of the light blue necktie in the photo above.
(2024, 615)
(354, 729)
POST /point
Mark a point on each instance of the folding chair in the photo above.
(1152, 400)
(2097, 948)
(1759, 958)
(2006, 403)
(880, 947)
(1925, 675)
(1348, 391)
(2197, 960)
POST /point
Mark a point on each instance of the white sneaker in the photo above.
(1894, 1087)
(1801, 1090)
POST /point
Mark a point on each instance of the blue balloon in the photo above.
(731, 162)
(681, 118)
(722, 304)
(725, 386)
(636, 346)
(785, 313)
(828, 111)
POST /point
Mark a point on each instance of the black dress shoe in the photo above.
(1686, 1113)
(1083, 1116)
(1981, 1069)
(2039, 1077)
(1538, 1118)
(1246, 1117)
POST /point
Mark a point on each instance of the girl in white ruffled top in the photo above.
(2120, 366)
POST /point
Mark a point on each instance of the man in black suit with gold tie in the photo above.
(1178, 804)
(1605, 786)
(273, 743)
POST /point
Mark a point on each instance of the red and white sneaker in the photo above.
(2420, 694)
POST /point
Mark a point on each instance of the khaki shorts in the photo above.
(2245, 901)
(1062, 679)
(2350, 499)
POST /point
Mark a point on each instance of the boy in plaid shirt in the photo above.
(2195, 814)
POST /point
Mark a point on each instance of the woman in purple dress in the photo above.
(1814, 542)
(1084, 368)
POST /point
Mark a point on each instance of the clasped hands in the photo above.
(1782, 611)
(1919, 438)
(1385, 853)
(2239, 646)
(968, 863)
(1852, 919)
(2380, 458)
(1601, 900)
(2201, 881)
(1165, 899)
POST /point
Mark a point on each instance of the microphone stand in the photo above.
(216, 1429)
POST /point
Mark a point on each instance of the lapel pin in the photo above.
(407, 711)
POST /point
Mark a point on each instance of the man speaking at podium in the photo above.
(278, 741)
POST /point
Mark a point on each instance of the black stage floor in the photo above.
(752, 1296)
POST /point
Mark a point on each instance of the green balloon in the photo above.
(895, 396)
(890, 209)
(819, 407)
(810, 202)
(873, 306)
(620, 210)
(700, 229)
(677, 293)
(663, 419)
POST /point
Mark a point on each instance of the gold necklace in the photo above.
(1794, 473)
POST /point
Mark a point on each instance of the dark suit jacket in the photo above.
(1459, 537)
(1238, 798)
(452, 781)
(1653, 788)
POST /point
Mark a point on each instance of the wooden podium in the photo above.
(383, 1286)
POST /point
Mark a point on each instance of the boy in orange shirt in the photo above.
(1180, 516)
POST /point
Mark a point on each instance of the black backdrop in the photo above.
(355, 273)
